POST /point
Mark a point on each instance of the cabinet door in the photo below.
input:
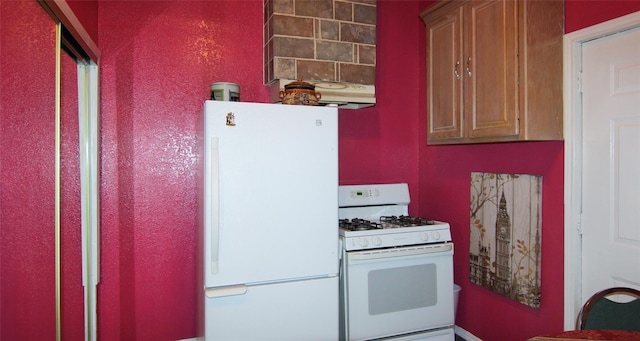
(490, 69)
(444, 77)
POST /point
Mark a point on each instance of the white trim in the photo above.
(573, 156)
(89, 172)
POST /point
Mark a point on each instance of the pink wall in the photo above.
(158, 61)
(444, 194)
(27, 304)
(159, 58)
(87, 13)
(446, 197)
(72, 291)
(156, 70)
(380, 144)
(583, 13)
(27, 180)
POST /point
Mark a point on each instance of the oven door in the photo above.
(396, 291)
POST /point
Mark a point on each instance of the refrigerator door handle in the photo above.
(233, 290)
(215, 203)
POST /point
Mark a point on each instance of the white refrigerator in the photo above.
(269, 222)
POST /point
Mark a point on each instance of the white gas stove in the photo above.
(396, 277)
(376, 216)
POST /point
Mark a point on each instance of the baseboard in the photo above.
(466, 335)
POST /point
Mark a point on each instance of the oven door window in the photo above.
(402, 288)
(396, 293)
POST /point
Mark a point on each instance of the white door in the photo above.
(404, 290)
(286, 311)
(611, 162)
(271, 193)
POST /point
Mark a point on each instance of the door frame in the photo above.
(73, 38)
(573, 156)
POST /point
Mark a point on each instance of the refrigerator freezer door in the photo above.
(299, 310)
(271, 181)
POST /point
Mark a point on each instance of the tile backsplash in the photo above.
(320, 40)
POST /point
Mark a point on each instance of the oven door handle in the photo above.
(432, 250)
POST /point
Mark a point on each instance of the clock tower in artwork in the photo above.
(502, 282)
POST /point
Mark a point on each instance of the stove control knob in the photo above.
(377, 241)
(364, 242)
(436, 235)
(424, 236)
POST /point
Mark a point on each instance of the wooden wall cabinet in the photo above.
(494, 71)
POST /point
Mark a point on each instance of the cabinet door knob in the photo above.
(468, 67)
(455, 70)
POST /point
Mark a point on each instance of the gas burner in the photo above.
(357, 224)
(406, 221)
(377, 217)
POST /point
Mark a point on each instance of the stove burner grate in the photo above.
(357, 224)
(406, 221)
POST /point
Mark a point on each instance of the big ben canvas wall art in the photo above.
(504, 250)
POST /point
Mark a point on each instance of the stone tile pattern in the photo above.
(320, 40)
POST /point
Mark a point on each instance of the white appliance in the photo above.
(270, 245)
(397, 270)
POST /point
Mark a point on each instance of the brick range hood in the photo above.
(329, 43)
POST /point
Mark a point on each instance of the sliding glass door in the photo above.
(48, 174)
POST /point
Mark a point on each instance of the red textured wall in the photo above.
(159, 58)
(27, 202)
(72, 291)
(27, 69)
(158, 61)
(445, 188)
(446, 197)
(583, 13)
(444, 192)
(381, 144)
(87, 13)
(156, 70)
